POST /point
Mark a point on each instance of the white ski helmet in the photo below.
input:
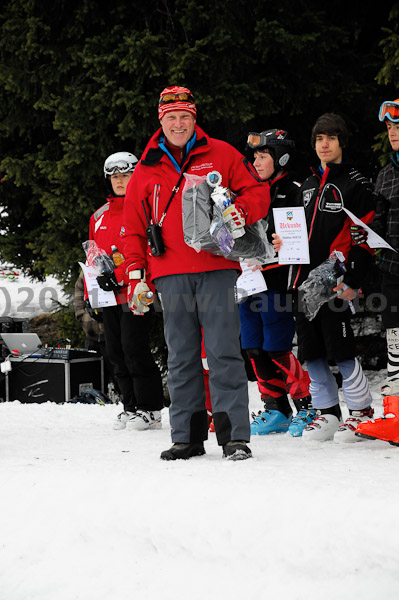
(120, 162)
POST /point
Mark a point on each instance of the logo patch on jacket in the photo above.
(202, 167)
(331, 199)
(307, 196)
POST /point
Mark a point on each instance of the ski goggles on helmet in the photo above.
(179, 97)
(256, 140)
(118, 166)
(389, 110)
(268, 138)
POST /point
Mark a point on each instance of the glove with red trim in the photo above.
(139, 295)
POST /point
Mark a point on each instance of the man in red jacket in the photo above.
(196, 288)
(126, 335)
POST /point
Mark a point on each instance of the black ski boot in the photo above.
(183, 451)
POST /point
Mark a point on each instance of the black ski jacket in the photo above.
(284, 192)
(324, 196)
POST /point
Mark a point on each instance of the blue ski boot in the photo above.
(269, 421)
(299, 422)
(275, 418)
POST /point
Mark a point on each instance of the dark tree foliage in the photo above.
(80, 80)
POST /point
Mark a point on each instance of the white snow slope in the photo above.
(89, 513)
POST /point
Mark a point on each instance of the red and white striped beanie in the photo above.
(176, 104)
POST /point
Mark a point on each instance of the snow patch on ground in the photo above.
(88, 513)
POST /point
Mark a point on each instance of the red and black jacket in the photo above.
(324, 196)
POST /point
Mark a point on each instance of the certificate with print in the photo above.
(290, 226)
(98, 298)
(249, 282)
(373, 239)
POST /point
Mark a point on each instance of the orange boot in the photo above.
(386, 428)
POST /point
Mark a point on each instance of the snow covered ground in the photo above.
(89, 513)
(92, 513)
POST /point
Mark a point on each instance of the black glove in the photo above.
(93, 312)
(358, 234)
(108, 283)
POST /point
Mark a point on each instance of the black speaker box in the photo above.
(42, 380)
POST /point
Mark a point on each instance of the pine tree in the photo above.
(81, 80)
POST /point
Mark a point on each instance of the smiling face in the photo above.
(119, 182)
(328, 149)
(178, 127)
(393, 134)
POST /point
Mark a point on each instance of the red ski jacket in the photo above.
(105, 228)
(153, 181)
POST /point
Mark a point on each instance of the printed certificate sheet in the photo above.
(98, 298)
(249, 282)
(290, 226)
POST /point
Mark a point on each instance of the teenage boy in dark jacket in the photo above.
(328, 338)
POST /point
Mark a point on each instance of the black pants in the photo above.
(127, 342)
(329, 335)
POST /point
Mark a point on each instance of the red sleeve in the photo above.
(135, 243)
